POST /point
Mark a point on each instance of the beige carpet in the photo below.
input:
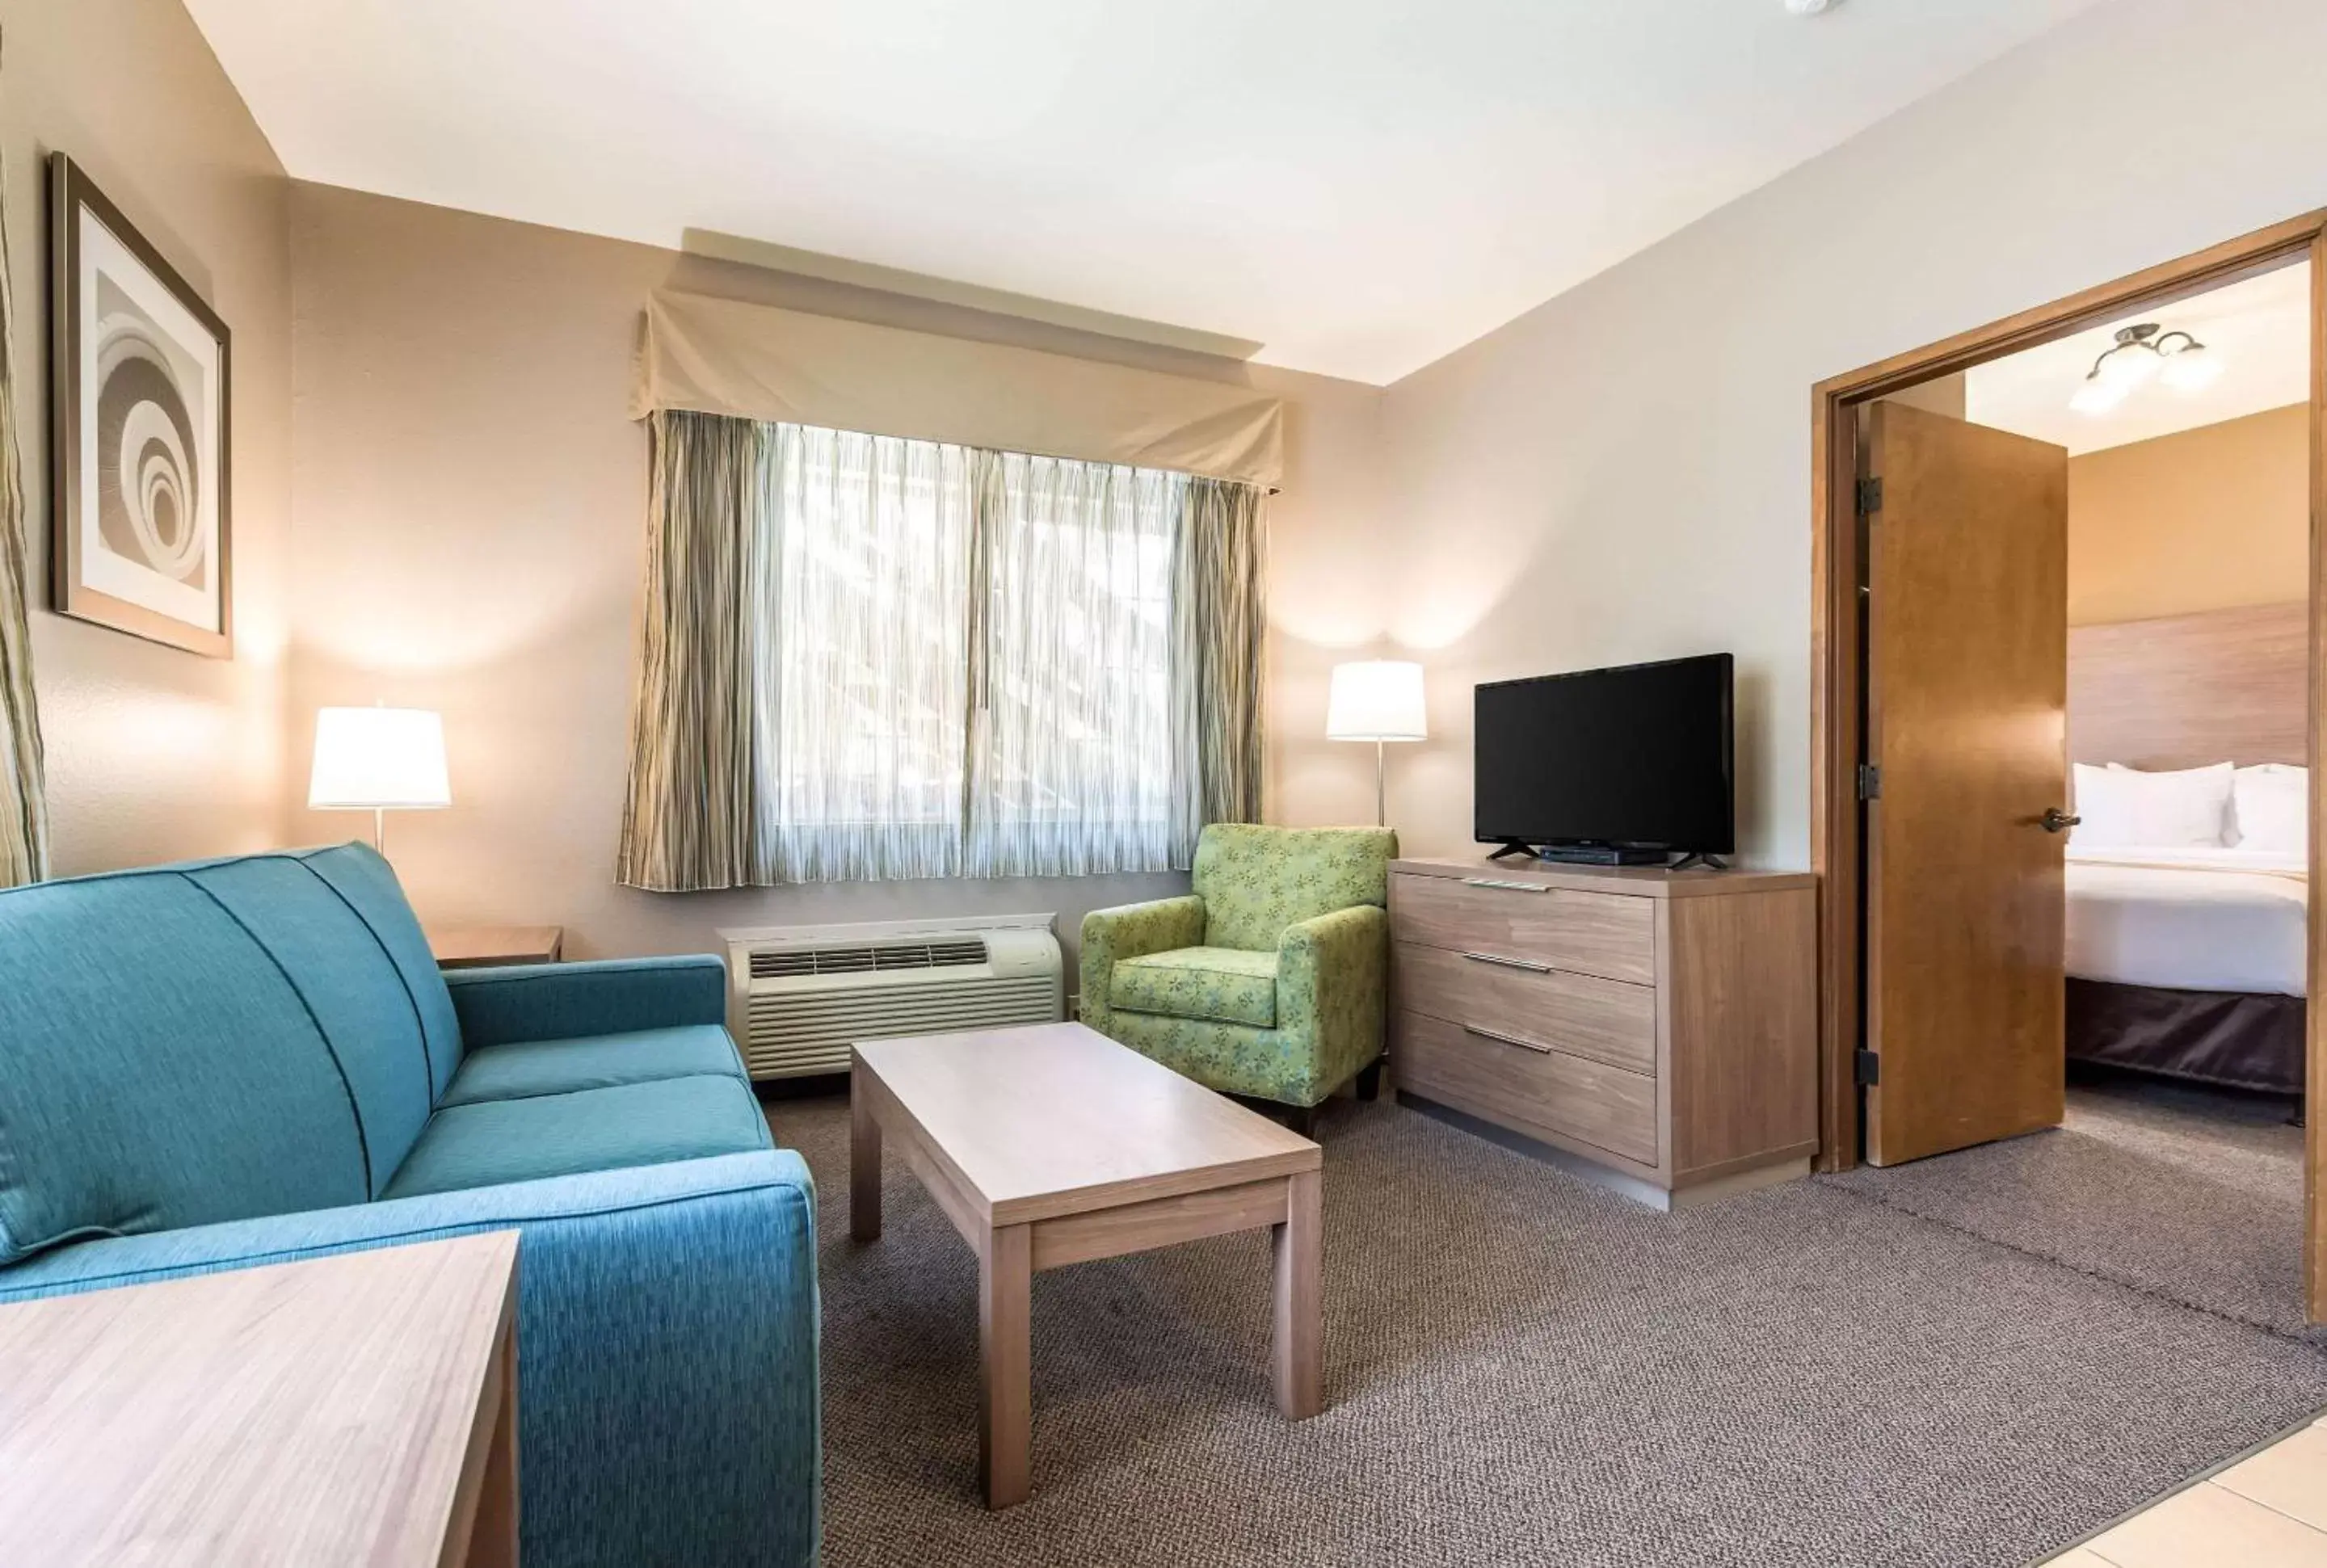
(1523, 1368)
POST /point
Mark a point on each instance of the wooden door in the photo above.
(1966, 730)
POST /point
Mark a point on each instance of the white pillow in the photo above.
(2270, 808)
(2124, 808)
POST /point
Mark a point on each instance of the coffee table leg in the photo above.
(1005, 1392)
(1299, 1248)
(864, 1164)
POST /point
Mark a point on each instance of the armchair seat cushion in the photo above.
(524, 1069)
(490, 1142)
(1222, 984)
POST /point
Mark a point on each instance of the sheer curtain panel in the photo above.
(870, 658)
(23, 813)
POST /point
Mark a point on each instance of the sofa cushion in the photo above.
(1256, 880)
(368, 888)
(356, 998)
(489, 1142)
(1227, 984)
(159, 1068)
(525, 1068)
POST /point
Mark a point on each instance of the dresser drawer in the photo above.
(1605, 1019)
(1601, 934)
(1513, 1086)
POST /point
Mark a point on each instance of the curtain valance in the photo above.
(707, 355)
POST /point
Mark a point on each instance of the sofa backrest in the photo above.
(1256, 880)
(216, 1041)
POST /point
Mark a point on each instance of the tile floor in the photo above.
(2268, 1510)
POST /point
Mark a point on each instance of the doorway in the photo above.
(1958, 836)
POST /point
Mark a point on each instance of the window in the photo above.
(955, 662)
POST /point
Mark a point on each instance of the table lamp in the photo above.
(1377, 700)
(378, 760)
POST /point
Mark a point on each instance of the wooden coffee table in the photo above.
(354, 1409)
(1052, 1144)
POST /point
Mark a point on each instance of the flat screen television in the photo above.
(1636, 762)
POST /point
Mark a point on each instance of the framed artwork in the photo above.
(140, 538)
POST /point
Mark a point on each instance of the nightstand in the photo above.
(486, 946)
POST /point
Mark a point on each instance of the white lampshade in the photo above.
(1376, 699)
(378, 759)
(2192, 370)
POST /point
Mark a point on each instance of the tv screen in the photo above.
(1638, 756)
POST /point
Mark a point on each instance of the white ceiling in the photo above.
(2260, 328)
(1361, 185)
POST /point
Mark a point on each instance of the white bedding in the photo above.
(2188, 920)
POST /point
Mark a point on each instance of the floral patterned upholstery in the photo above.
(1256, 880)
(1226, 983)
(1181, 980)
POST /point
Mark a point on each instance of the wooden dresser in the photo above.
(1661, 1025)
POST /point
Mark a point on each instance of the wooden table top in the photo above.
(303, 1413)
(480, 947)
(1055, 1118)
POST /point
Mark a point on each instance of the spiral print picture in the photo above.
(140, 421)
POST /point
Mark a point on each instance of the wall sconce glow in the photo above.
(2141, 353)
(378, 760)
(1377, 700)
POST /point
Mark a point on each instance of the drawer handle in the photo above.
(1507, 1038)
(1502, 963)
(1514, 887)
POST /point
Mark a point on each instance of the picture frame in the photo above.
(141, 526)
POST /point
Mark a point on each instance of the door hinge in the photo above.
(1870, 497)
(1870, 781)
(1867, 1068)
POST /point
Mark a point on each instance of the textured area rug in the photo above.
(1524, 1369)
(2189, 1195)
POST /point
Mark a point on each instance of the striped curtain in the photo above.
(23, 813)
(867, 658)
(689, 816)
(1218, 617)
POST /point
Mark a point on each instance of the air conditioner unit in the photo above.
(798, 996)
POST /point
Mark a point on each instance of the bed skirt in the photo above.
(2242, 1040)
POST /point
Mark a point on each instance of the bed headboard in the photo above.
(2186, 690)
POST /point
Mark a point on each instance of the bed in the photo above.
(2190, 961)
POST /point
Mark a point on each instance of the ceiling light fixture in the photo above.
(1810, 7)
(2143, 352)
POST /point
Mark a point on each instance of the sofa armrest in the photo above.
(608, 997)
(667, 1403)
(1331, 984)
(1132, 931)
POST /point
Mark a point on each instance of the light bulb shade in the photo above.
(2192, 370)
(1376, 699)
(378, 759)
(2127, 367)
(2094, 396)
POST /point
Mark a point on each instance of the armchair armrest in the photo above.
(668, 1403)
(610, 996)
(1331, 984)
(1132, 931)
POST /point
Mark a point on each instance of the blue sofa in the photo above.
(232, 1062)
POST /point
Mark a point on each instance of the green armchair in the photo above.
(1268, 980)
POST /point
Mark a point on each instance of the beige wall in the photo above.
(156, 754)
(1624, 473)
(471, 516)
(2202, 520)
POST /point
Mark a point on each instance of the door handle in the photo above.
(2056, 820)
